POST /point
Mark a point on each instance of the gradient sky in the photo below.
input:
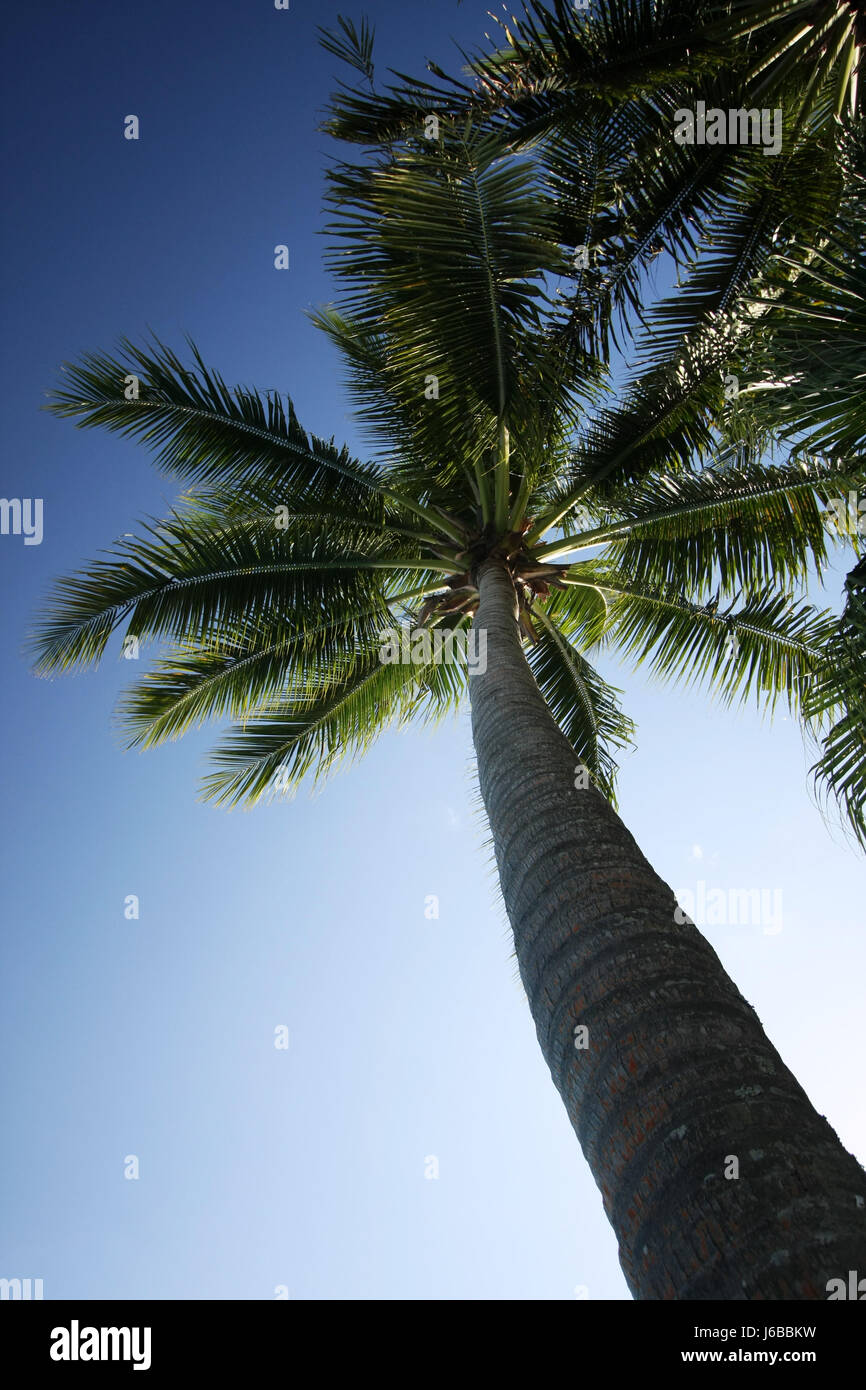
(408, 1037)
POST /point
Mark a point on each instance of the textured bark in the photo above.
(678, 1075)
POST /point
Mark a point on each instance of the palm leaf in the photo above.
(195, 685)
(837, 695)
(738, 528)
(274, 751)
(210, 435)
(584, 706)
(767, 648)
(196, 583)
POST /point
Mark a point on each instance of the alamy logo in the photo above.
(738, 907)
(20, 1288)
(855, 1288)
(76, 1343)
(22, 516)
(733, 127)
(425, 646)
(848, 514)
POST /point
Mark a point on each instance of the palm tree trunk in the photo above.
(719, 1177)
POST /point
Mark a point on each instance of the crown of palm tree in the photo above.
(775, 247)
(629, 525)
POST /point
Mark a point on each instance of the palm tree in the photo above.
(517, 503)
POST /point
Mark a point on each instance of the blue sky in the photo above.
(408, 1037)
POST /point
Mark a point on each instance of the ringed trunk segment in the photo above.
(677, 1077)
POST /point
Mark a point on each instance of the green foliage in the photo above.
(665, 523)
(839, 770)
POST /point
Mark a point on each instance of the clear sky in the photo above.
(409, 1038)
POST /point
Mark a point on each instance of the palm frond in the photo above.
(202, 430)
(200, 583)
(808, 383)
(837, 695)
(271, 753)
(584, 706)
(739, 528)
(195, 685)
(450, 246)
(663, 423)
(767, 648)
(350, 44)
